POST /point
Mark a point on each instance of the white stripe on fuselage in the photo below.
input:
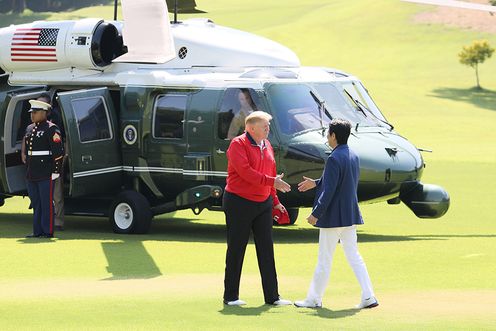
(150, 169)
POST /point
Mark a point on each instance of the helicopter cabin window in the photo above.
(237, 103)
(168, 119)
(92, 119)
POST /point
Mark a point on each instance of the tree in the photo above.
(474, 54)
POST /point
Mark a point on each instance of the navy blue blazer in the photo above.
(336, 201)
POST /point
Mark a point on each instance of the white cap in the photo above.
(37, 105)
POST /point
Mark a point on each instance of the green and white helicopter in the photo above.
(147, 107)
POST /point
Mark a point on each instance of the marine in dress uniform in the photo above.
(44, 154)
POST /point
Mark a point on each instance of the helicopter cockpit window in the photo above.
(236, 105)
(336, 103)
(92, 119)
(359, 93)
(352, 107)
(368, 101)
(295, 109)
(168, 119)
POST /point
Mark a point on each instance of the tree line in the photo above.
(18, 6)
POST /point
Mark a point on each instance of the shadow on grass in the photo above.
(257, 311)
(479, 97)
(128, 260)
(186, 230)
(174, 229)
(328, 313)
(127, 257)
(245, 311)
(37, 240)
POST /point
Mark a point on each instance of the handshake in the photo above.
(305, 185)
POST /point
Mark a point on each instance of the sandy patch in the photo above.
(461, 18)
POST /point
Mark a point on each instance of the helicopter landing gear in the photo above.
(130, 213)
(293, 216)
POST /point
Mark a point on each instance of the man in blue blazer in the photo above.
(335, 211)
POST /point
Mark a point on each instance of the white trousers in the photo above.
(328, 239)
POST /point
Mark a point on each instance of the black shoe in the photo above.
(46, 236)
(32, 235)
(59, 227)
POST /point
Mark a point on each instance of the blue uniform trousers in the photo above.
(41, 195)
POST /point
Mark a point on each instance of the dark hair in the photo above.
(247, 94)
(341, 128)
(45, 96)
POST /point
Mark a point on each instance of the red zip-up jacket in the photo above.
(251, 171)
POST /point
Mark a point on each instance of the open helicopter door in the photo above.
(16, 119)
(95, 162)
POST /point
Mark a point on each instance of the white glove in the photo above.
(55, 176)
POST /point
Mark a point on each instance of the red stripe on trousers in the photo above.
(51, 206)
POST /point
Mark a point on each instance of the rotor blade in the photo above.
(457, 4)
(146, 32)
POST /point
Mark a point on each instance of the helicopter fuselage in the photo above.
(161, 131)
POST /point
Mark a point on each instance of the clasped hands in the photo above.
(305, 185)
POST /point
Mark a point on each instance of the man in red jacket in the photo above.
(249, 198)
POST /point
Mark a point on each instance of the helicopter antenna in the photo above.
(175, 11)
(115, 9)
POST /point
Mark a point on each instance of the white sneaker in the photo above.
(368, 303)
(282, 302)
(307, 304)
(235, 303)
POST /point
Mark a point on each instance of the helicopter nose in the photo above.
(386, 159)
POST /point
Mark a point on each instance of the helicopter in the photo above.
(148, 120)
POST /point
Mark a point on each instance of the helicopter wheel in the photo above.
(130, 213)
(293, 216)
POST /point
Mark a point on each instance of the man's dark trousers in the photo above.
(41, 195)
(242, 216)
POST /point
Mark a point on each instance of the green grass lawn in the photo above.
(428, 274)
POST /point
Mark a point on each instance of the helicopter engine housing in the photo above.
(41, 46)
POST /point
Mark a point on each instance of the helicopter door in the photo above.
(16, 120)
(166, 147)
(93, 146)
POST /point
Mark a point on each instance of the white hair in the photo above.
(256, 117)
